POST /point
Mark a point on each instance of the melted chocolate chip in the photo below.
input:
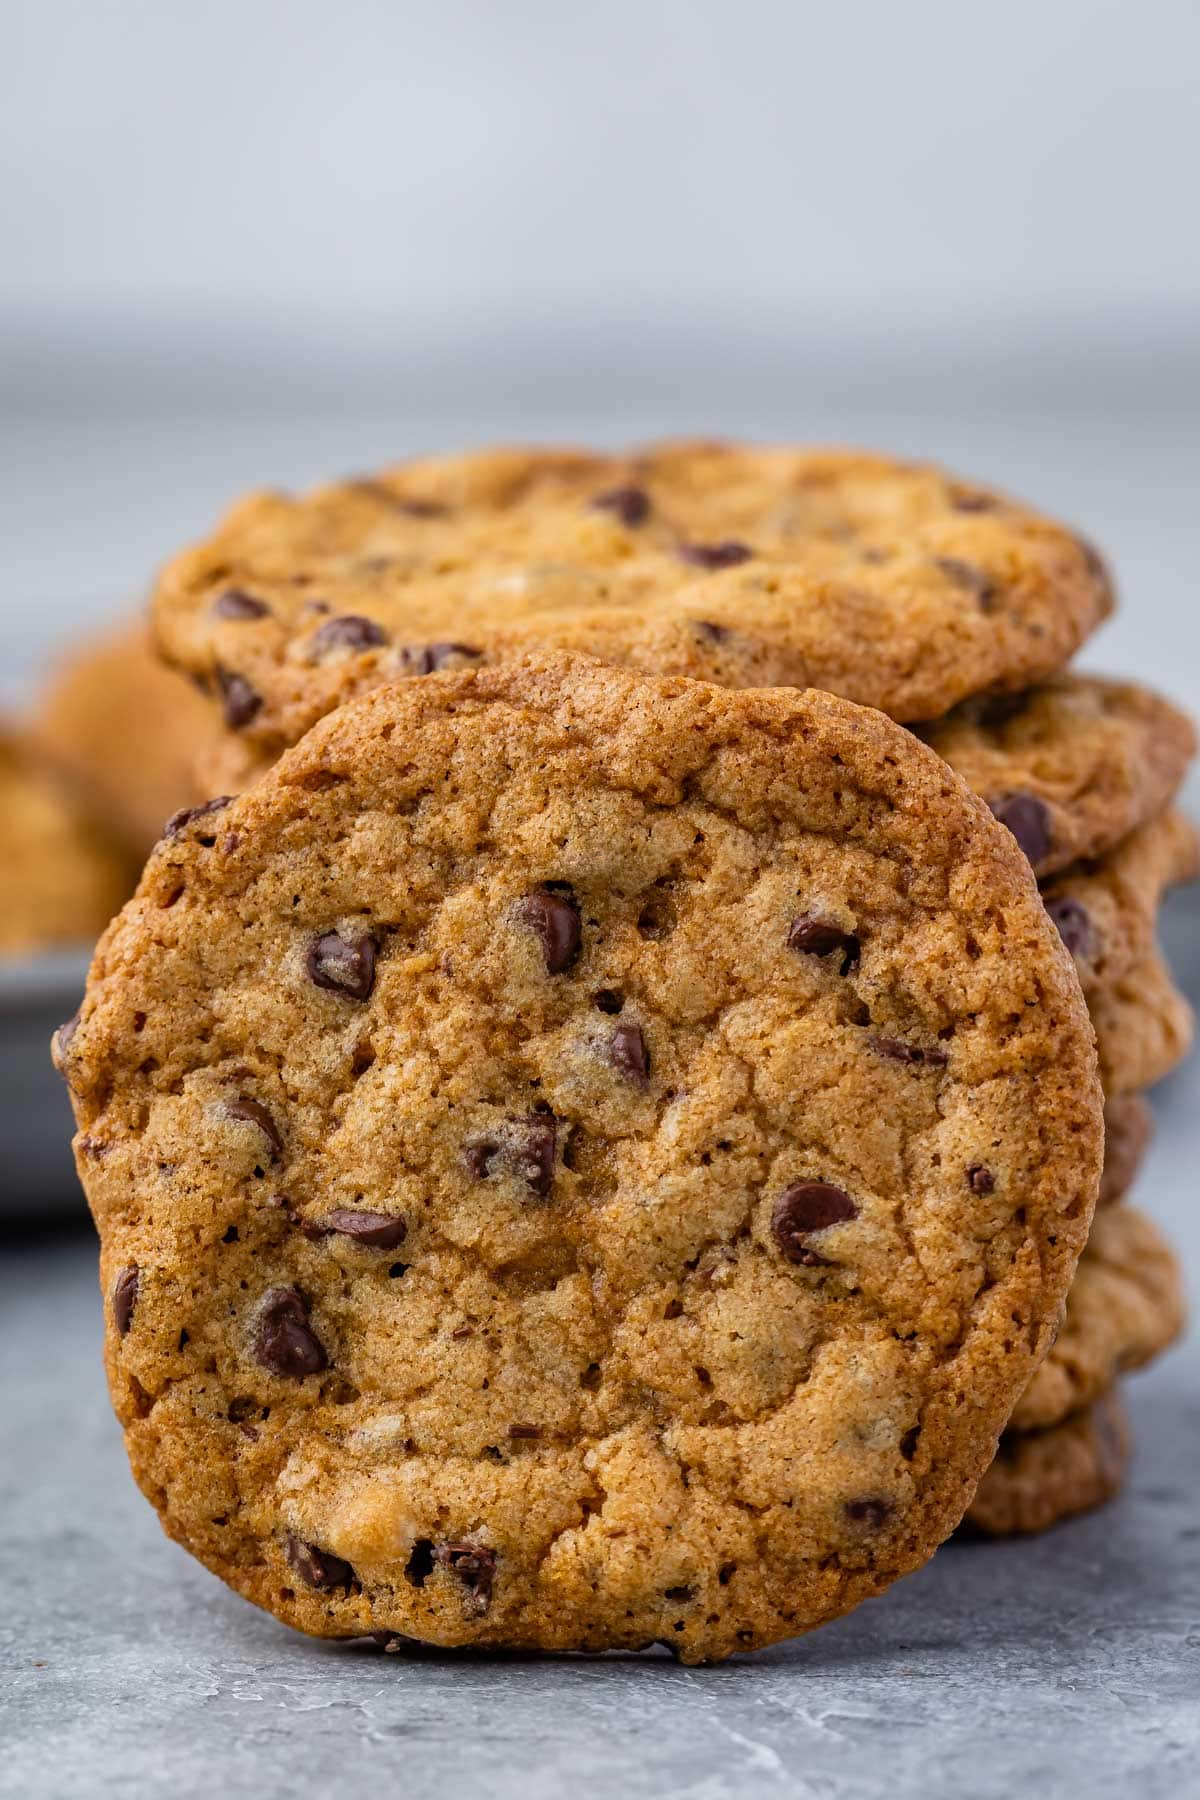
(608, 1000)
(970, 576)
(377, 1231)
(124, 1297)
(525, 1431)
(239, 701)
(475, 1567)
(179, 821)
(284, 1342)
(1028, 818)
(817, 937)
(725, 555)
(631, 504)
(234, 604)
(256, 1114)
(804, 1208)
(343, 965)
(349, 632)
(1074, 923)
(980, 1179)
(526, 1150)
(318, 1568)
(908, 1443)
(427, 659)
(898, 1051)
(554, 920)
(627, 1053)
(871, 1511)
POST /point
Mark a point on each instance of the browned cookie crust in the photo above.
(1040, 1478)
(1126, 1306)
(581, 1160)
(1128, 1128)
(1143, 1024)
(61, 879)
(128, 732)
(1107, 910)
(1073, 766)
(893, 584)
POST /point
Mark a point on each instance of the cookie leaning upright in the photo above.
(891, 583)
(581, 1160)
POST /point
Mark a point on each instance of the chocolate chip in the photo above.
(349, 632)
(256, 1114)
(284, 1342)
(609, 1000)
(419, 1566)
(318, 1568)
(631, 504)
(1028, 818)
(980, 1179)
(343, 965)
(1074, 923)
(124, 1297)
(377, 1231)
(970, 576)
(525, 1431)
(804, 1208)
(627, 1053)
(817, 937)
(179, 821)
(908, 1443)
(475, 1566)
(525, 1149)
(427, 659)
(899, 1051)
(554, 920)
(239, 701)
(234, 604)
(712, 633)
(725, 555)
(871, 1511)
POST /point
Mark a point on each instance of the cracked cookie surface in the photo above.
(896, 585)
(581, 1160)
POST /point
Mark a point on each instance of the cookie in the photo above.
(1040, 1478)
(581, 1160)
(1143, 1026)
(61, 880)
(128, 731)
(1128, 1128)
(1107, 910)
(1126, 1306)
(1073, 766)
(893, 584)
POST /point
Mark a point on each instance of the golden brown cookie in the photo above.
(1107, 910)
(128, 732)
(1128, 1128)
(61, 880)
(1040, 1478)
(893, 584)
(1073, 766)
(581, 1160)
(1126, 1306)
(1143, 1026)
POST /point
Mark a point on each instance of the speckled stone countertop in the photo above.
(1066, 1665)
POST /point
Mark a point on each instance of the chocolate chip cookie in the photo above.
(893, 584)
(1126, 1306)
(1144, 1026)
(1042, 1477)
(61, 879)
(1128, 1128)
(1071, 767)
(581, 1160)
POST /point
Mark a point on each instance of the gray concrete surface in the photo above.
(1061, 1667)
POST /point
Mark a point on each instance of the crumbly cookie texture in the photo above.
(1144, 1026)
(1128, 1128)
(1040, 1478)
(894, 584)
(127, 731)
(1072, 766)
(581, 1160)
(61, 880)
(1107, 910)
(1126, 1306)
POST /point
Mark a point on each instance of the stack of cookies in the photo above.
(593, 1146)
